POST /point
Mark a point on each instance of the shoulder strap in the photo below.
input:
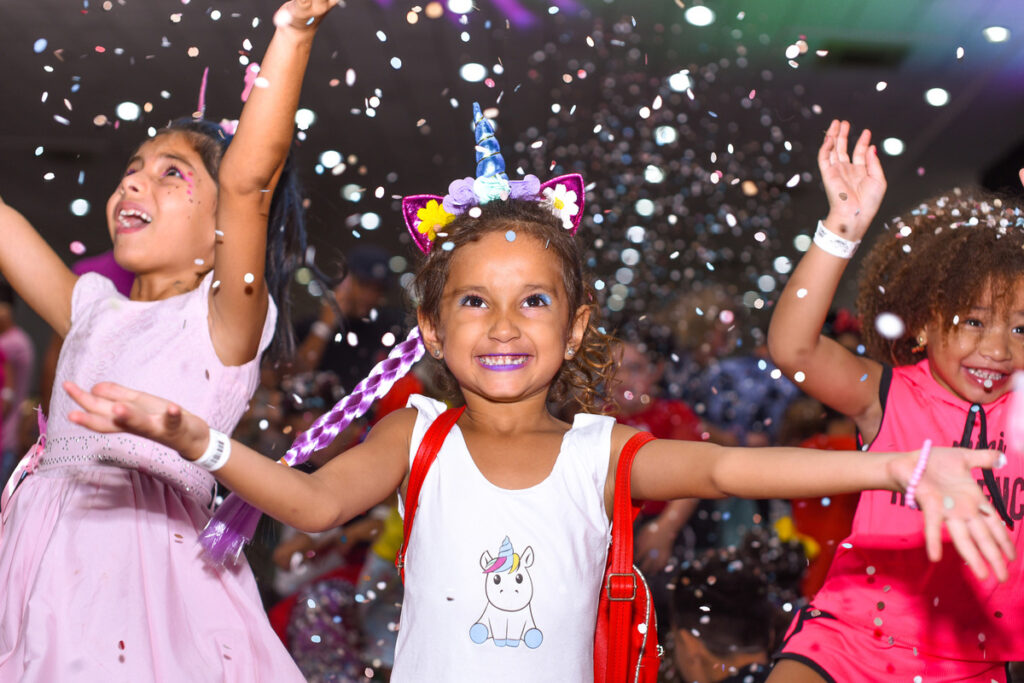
(620, 582)
(883, 385)
(625, 509)
(431, 444)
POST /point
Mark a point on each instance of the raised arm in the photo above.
(830, 373)
(35, 271)
(246, 180)
(947, 494)
(348, 485)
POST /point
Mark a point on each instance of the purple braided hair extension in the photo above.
(235, 521)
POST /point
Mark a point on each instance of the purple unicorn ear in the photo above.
(423, 216)
(565, 195)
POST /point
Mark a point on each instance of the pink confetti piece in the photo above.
(77, 248)
(252, 72)
(201, 107)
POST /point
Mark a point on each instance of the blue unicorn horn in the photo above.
(491, 180)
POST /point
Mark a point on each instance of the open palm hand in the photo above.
(855, 186)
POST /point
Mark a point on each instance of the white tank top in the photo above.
(502, 585)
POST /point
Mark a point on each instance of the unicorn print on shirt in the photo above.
(507, 618)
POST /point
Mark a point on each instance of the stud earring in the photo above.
(437, 353)
(921, 343)
(570, 352)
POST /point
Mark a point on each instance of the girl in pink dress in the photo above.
(102, 574)
(942, 297)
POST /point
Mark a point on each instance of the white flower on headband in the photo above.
(562, 203)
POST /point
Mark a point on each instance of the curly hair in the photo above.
(584, 378)
(935, 263)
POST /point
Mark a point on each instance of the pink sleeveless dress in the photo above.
(101, 574)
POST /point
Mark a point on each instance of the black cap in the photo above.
(369, 264)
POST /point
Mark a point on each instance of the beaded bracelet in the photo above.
(218, 450)
(915, 478)
(834, 244)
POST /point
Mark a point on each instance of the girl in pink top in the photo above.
(102, 575)
(942, 298)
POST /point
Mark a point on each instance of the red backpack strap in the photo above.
(431, 444)
(620, 580)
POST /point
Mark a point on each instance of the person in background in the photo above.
(641, 403)
(726, 610)
(720, 368)
(20, 358)
(349, 347)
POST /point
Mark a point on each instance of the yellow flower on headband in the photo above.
(433, 216)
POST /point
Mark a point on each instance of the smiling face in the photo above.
(505, 322)
(976, 358)
(161, 216)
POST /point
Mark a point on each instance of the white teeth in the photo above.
(502, 360)
(135, 213)
(989, 375)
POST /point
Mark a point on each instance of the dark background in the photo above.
(600, 61)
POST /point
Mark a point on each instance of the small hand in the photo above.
(949, 494)
(854, 187)
(303, 14)
(654, 545)
(111, 408)
(301, 545)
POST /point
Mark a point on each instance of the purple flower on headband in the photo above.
(460, 196)
(528, 188)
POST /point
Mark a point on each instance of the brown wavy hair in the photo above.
(935, 262)
(586, 377)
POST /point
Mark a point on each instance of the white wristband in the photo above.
(829, 242)
(217, 452)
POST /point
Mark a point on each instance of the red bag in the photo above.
(626, 640)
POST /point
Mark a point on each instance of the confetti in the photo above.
(889, 325)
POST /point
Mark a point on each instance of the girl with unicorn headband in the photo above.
(507, 556)
(101, 579)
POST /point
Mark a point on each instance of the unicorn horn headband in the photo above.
(426, 215)
(235, 522)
